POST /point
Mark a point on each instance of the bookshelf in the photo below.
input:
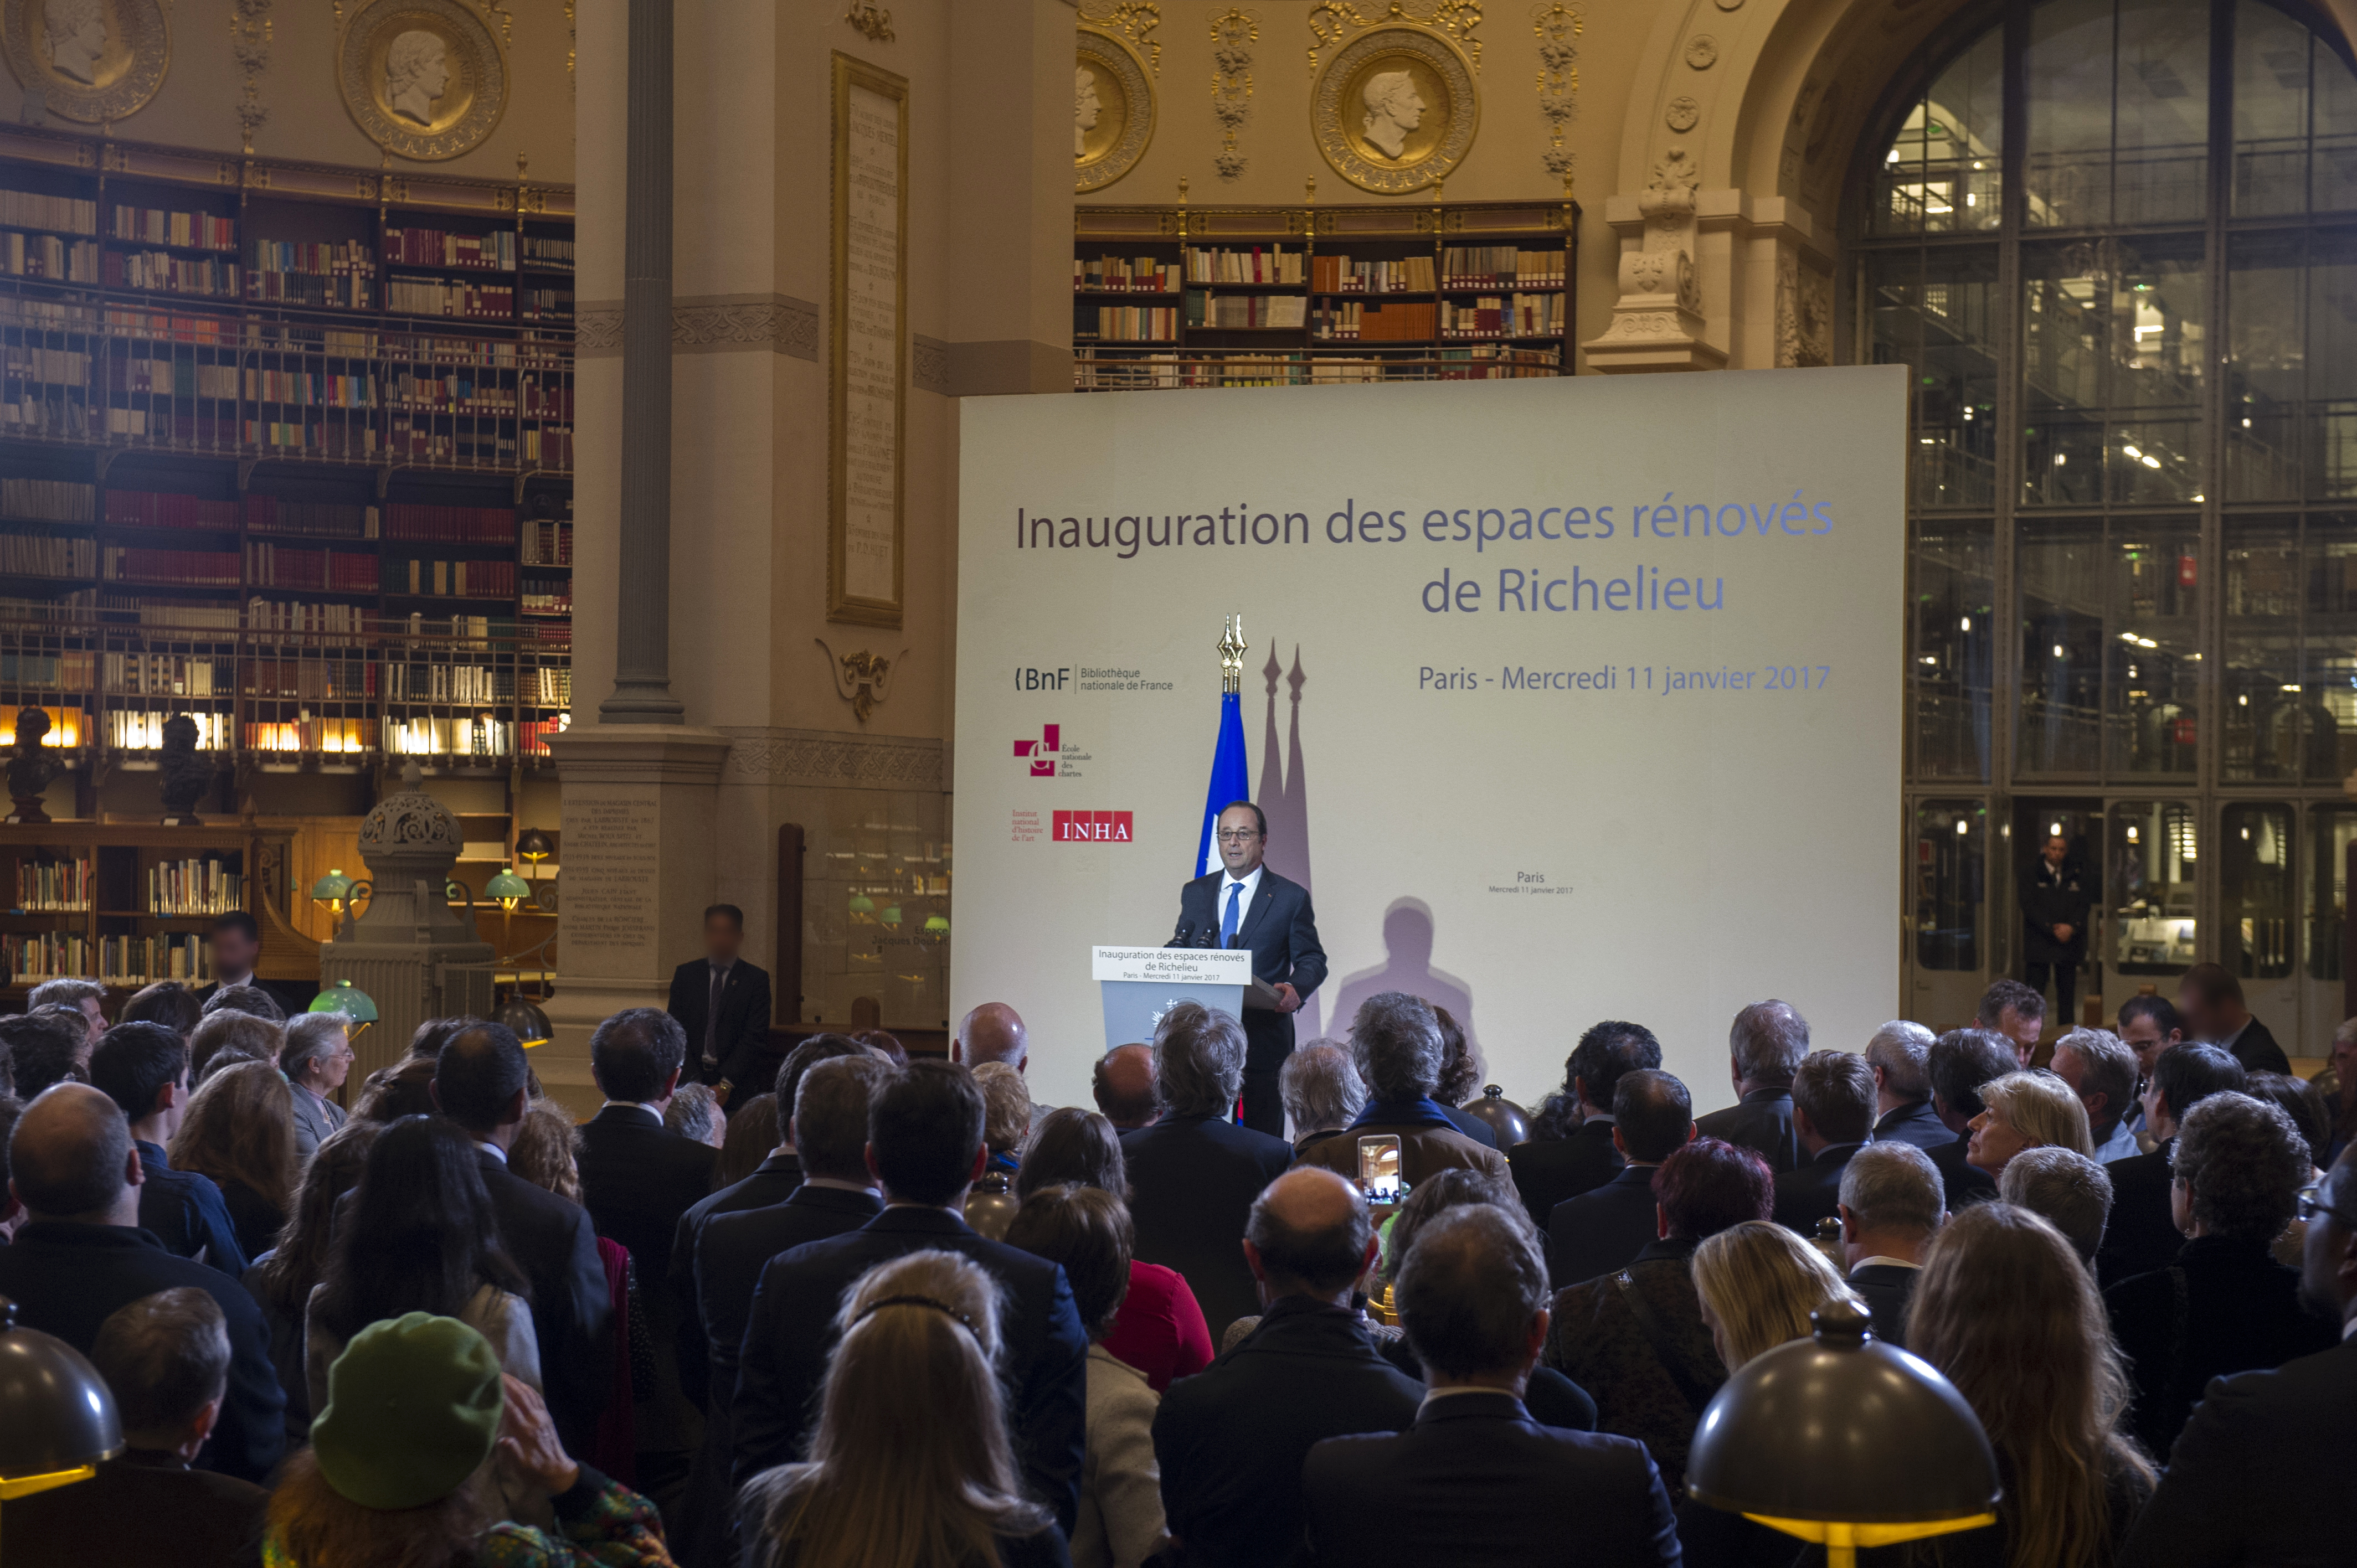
(119, 903)
(1235, 295)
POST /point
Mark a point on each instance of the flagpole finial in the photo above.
(1232, 649)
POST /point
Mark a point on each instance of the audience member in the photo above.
(401, 1468)
(1833, 1117)
(12, 1213)
(722, 1005)
(694, 1114)
(1476, 1479)
(1960, 1061)
(2310, 1111)
(420, 1238)
(924, 1147)
(404, 1089)
(1159, 1330)
(1121, 1083)
(1899, 1057)
(482, 1084)
(225, 1037)
(1086, 1231)
(235, 940)
(1635, 1340)
(2066, 1189)
(282, 1282)
(86, 997)
(1231, 1441)
(2031, 1110)
(2224, 1305)
(2015, 1013)
(80, 1254)
(547, 1150)
(1396, 1045)
(2006, 1311)
(2101, 1071)
(2211, 1000)
(1891, 1205)
(747, 1134)
(1005, 1114)
(1322, 1090)
(425, 1041)
(2143, 1234)
(1758, 1284)
(2343, 1095)
(1194, 1175)
(775, 1174)
(45, 1048)
(165, 1358)
(1570, 1150)
(167, 1002)
(2149, 1026)
(832, 1193)
(1765, 1046)
(250, 999)
(144, 1069)
(909, 1462)
(240, 1131)
(317, 1058)
(993, 1032)
(1601, 1229)
(885, 1044)
(1460, 1074)
(2252, 1477)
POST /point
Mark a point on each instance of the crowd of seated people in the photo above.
(456, 1324)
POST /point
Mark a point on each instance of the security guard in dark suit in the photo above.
(722, 1003)
(2054, 904)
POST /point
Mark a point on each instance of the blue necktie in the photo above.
(1228, 922)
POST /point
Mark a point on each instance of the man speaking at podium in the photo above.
(1247, 904)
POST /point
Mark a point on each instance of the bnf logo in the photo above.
(1090, 827)
(1041, 753)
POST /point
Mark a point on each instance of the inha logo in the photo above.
(1042, 753)
(1091, 827)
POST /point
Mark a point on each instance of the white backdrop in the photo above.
(1650, 773)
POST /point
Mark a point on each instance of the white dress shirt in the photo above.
(1250, 883)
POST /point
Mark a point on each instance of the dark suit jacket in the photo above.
(1549, 1172)
(2141, 1234)
(2257, 1049)
(1552, 1399)
(2251, 1477)
(1888, 1288)
(1597, 1341)
(638, 1179)
(744, 1030)
(1600, 1232)
(1473, 1127)
(1914, 1122)
(1965, 1184)
(2051, 896)
(143, 1507)
(65, 1278)
(1281, 929)
(1475, 1482)
(2242, 1314)
(186, 1213)
(1812, 1191)
(1232, 1439)
(1042, 1355)
(1192, 1181)
(256, 1218)
(1760, 1122)
(555, 1244)
(773, 1181)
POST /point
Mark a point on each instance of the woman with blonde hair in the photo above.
(2006, 1310)
(240, 1131)
(2026, 1111)
(910, 1467)
(1758, 1283)
(546, 1149)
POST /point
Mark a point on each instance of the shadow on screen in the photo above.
(1284, 799)
(1407, 944)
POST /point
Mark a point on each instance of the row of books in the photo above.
(309, 519)
(1478, 266)
(69, 669)
(546, 596)
(447, 683)
(312, 734)
(53, 886)
(1349, 321)
(549, 251)
(427, 296)
(450, 524)
(1491, 315)
(1275, 265)
(1340, 274)
(291, 273)
(144, 732)
(467, 393)
(132, 962)
(494, 251)
(547, 304)
(194, 887)
(544, 542)
(309, 679)
(172, 273)
(189, 568)
(46, 256)
(51, 500)
(1485, 362)
(311, 389)
(42, 555)
(1205, 309)
(162, 508)
(454, 579)
(275, 615)
(165, 675)
(65, 214)
(335, 571)
(172, 613)
(331, 259)
(481, 736)
(47, 955)
(151, 226)
(174, 377)
(58, 367)
(1131, 323)
(1133, 275)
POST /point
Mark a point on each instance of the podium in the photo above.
(1140, 984)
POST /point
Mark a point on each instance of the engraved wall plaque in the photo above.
(867, 346)
(86, 61)
(612, 899)
(1112, 109)
(422, 79)
(1395, 109)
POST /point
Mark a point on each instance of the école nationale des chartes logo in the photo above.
(1050, 756)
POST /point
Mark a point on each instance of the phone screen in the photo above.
(1379, 1168)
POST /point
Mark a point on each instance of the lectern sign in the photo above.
(1172, 966)
(869, 331)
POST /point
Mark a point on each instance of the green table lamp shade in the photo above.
(529, 1023)
(350, 1000)
(331, 890)
(506, 888)
(1843, 1439)
(57, 1418)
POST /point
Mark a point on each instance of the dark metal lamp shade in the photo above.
(529, 1023)
(56, 1417)
(1506, 1119)
(1843, 1439)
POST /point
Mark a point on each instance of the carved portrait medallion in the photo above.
(1113, 109)
(422, 79)
(87, 60)
(1395, 109)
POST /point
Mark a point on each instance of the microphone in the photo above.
(1186, 936)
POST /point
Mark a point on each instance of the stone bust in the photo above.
(1393, 109)
(30, 768)
(77, 31)
(1086, 109)
(416, 72)
(186, 772)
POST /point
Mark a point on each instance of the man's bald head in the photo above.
(70, 1158)
(1309, 1234)
(1124, 1087)
(993, 1032)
